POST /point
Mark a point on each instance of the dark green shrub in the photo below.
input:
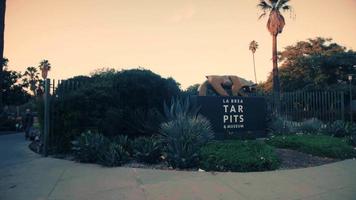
(7, 124)
(318, 145)
(242, 156)
(340, 129)
(110, 103)
(147, 149)
(112, 154)
(146, 122)
(87, 147)
(183, 138)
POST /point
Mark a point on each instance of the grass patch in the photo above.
(237, 155)
(318, 145)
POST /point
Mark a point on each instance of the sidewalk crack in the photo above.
(56, 183)
(139, 183)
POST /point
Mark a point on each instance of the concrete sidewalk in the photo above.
(25, 175)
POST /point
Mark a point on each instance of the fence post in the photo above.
(342, 106)
(46, 117)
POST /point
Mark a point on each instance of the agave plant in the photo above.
(87, 146)
(180, 107)
(147, 149)
(125, 142)
(112, 155)
(183, 138)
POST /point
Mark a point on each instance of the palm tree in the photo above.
(253, 47)
(275, 25)
(45, 66)
(31, 79)
(2, 60)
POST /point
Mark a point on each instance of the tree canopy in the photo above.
(13, 91)
(314, 64)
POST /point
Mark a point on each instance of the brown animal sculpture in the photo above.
(228, 81)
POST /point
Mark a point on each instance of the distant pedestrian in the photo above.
(27, 123)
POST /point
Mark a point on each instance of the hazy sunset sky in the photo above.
(184, 39)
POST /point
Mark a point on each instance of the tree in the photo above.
(31, 78)
(45, 66)
(315, 64)
(2, 60)
(192, 90)
(13, 89)
(253, 47)
(275, 25)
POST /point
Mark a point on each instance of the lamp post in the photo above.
(45, 66)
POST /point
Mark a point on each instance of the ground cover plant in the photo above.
(319, 145)
(238, 155)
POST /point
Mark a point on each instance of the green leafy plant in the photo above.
(147, 149)
(282, 126)
(237, 155)
(352, 139)
(311, 126)
(340, 129)
(319, 145)
(87, 146)
(183, 137)
(277, 126)
(112, 155)
(125, 142)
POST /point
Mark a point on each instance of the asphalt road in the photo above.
(14, 150)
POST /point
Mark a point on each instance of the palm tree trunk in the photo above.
(2, 29)
(276, 85)
(254, 67)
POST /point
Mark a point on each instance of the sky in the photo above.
(183, 39)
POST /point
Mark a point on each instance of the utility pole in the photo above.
(46, 117)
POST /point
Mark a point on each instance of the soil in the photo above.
(292, 159)
(135, 164)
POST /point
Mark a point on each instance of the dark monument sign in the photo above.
(235, 115)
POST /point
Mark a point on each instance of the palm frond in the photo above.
(273, 3)
(282, 3)
(262, 15)
(264, 5)
(287, 7)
